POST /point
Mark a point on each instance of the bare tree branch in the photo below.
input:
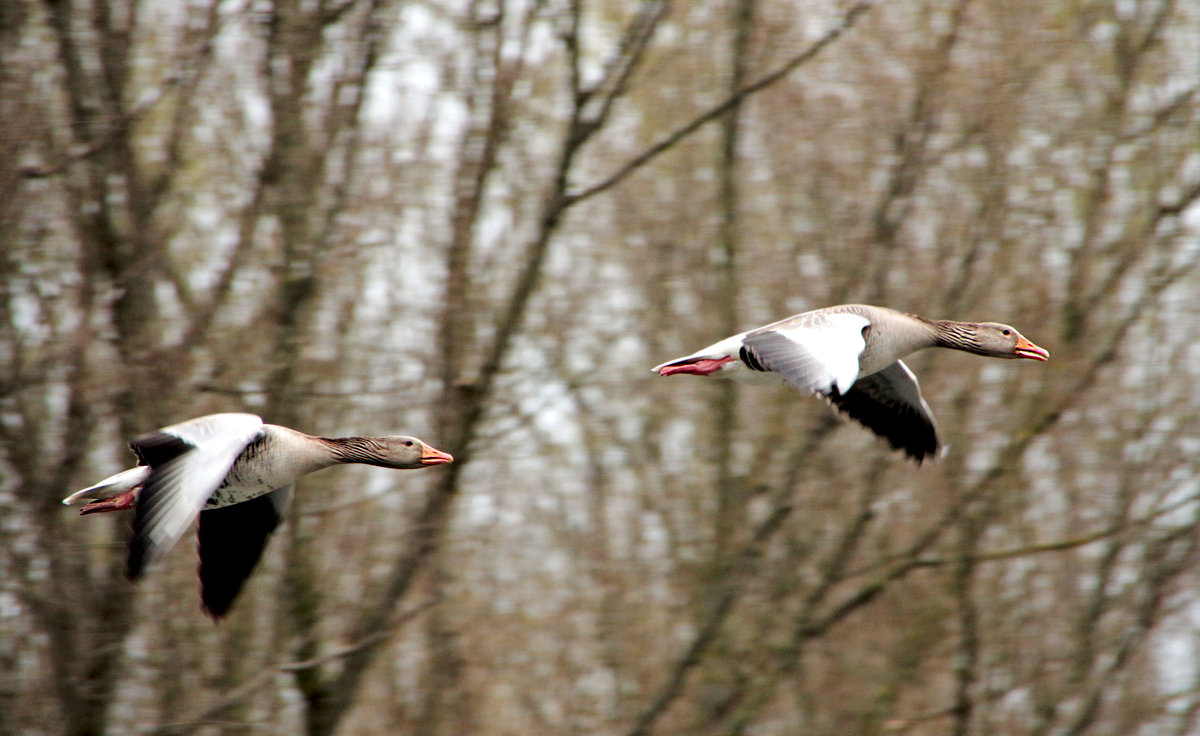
(613, 83)
(740, 567)
(254, 683)
(845, 24)
(187, 66)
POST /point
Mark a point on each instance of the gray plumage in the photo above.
(851, 356)
(236, 474)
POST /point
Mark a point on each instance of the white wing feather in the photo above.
(834, 341)
(910, 393)
(182, 486)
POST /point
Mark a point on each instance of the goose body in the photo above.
(236, 474)
(851, 356)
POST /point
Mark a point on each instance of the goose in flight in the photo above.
(851, 356)
(236, 474)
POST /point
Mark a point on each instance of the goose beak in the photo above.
(1026, 349)
(431, 456)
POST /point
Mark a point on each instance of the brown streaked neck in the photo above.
(366, 450)
(955, 335)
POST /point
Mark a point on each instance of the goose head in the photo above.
(998, 341)
(394, 451)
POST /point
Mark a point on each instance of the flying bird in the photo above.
(851, 356)
(236, 473)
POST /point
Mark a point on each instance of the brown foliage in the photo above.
(481, 224)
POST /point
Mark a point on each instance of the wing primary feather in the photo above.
(797, 365)
(159, 448)
(889, 403)
(188, 463)
(231, 543)
(750, 359)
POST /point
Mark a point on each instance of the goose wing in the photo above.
(188, 461)
(890, 404)
(232, 539)
(817, 353)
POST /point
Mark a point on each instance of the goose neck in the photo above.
(956, 336)
(354, 449)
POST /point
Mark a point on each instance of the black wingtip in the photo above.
(158, 448)
(135, 564)
(216, 598)
(231, 543)
(215, 611)
(904, 431)
(917, 455)
(919, 446)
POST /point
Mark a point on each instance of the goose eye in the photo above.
(408, 443)
(1006, 333)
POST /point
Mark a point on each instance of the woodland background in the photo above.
(482, 223)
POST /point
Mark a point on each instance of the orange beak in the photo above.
(431, 456)
(1026, 349)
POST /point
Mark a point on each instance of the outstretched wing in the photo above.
(232, 540)
(187, 463)
(890, 404)
(817, 355)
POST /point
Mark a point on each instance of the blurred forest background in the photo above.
(482, 222)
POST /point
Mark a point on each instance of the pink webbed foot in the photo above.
(116, 503)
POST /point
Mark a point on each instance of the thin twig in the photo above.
(147, 102)
(206, 716)
(848, 20)
(740, 568)
(1062, 545)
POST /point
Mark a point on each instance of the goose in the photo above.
(236, 473)
(850, 356)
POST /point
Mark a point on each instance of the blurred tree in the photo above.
(481, 223)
